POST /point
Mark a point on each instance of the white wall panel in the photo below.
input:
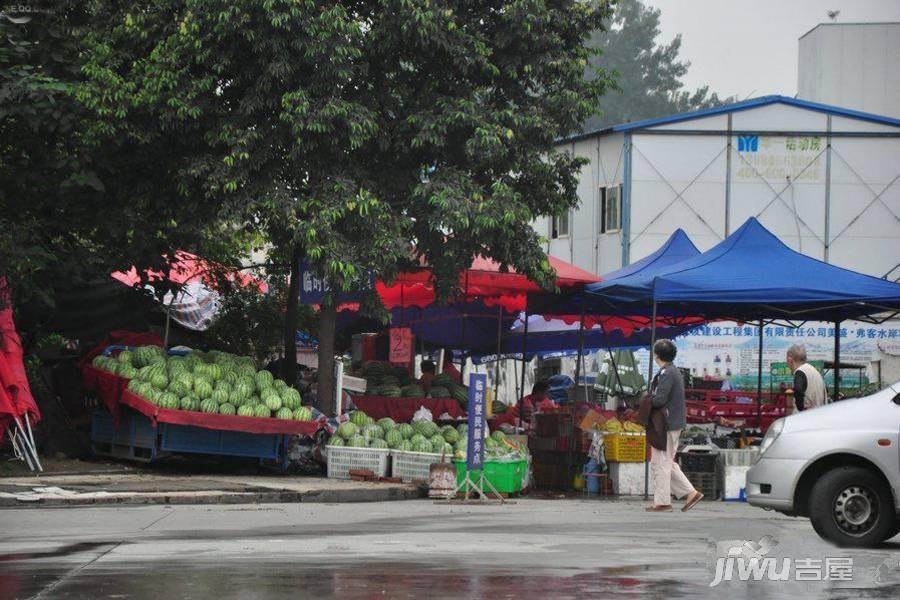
(778, 117)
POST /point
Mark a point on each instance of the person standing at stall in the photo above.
(809, 387)
(428, 370)
(667, 395)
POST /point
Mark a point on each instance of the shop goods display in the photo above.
(210, 382)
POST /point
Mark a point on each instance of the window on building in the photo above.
(559, 225)
(610, 209)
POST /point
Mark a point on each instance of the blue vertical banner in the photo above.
(476, 408)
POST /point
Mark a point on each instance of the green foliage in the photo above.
(648, 75)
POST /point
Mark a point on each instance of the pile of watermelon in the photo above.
(444, 386)
(384, 379)
(361, 431)
(213, 382)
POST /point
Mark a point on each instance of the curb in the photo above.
(217, 497)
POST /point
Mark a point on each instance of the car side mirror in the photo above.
(896, 399)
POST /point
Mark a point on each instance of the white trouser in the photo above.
(667, 475)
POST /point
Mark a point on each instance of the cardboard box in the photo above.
(590, 419)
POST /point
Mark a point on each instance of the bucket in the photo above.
(592, 485)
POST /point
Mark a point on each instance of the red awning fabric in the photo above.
(402, 410)
(189, 268)
(220, 422)
(483, 280)
(15, 393)
(109, 387)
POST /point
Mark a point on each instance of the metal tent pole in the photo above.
(759, 373)
(578, 373)
(499, 349)
(524, 363)
(649, 384)
(837, 361)
(33, 445)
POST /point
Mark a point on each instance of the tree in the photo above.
(361, 136)
(647, 74)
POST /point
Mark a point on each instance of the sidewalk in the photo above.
(143, 488)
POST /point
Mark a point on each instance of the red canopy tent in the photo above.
(16, 402)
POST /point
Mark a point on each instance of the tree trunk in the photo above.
(291, 313)
(327, 322)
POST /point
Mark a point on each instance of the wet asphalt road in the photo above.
(415, 549)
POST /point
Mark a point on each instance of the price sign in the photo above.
(476, 406)
(401, 345)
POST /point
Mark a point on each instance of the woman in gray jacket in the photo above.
(668, 396)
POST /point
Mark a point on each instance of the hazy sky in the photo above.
(749, 47)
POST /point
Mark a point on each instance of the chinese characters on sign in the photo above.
(475, 448)
(401, 345)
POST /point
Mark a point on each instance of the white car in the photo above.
(839, 465)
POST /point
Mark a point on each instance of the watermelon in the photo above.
(412, 390)
(498, 436)
(220, 396)
(189, 403)
(386, 424)
(426, 428)
(406, 430)
(245, 411)
(405, 446)
(421, 446)
(448, 449)
(230, 377)
(451, 435)
(272, 401)
(215, 372)
(245, 370)
(168, 400)
(99, 361)
(135, 385)
(261, 410)
(284, 413)
(127, 371)
(393, 438)
(490, 443)
(357, 441)
(186, 379)
(145, 355)
(289, 397)
(227, 409)
(336, 440)
(418, 439)
(159, 381)
(358, 417)
(224, 385)
(378, 443)
(303, 413)
(369, 420)
(463, 430)
(125, 357)
(279, 385)
(264, 379)
(372, 431)
(437, 442)
(347, 430)
(244, 388)
(178, 387)
(439, 392)
(209, 406)
(202, 388)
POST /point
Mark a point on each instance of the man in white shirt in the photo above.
(809, 387)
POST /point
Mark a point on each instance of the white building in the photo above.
(853, 65)
(825, 179)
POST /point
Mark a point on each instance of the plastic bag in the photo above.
(423, 414)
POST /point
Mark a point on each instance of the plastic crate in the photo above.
(625, 447)
(341, 460)
(414, 466)
(506, 477)
(696, 462)
(710, 484)
(199, 440)
(745, 457)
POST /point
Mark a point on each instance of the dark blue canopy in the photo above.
(752, 274)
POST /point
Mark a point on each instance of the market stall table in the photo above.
(402, 410)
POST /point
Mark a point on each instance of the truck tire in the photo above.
(850, 507)
(894, 531)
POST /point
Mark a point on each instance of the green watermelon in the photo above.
(412, 391)
(279, 385)
(421, 446)
(125, 357)
(498, 436)
(289, 397)
(358, 417)
(224, 385)
(448, 449)
(393, 438)
(244, 388)
(261, 410)
(302, 413)
(406, 430)
(264, 379)
(178, 387)
(209, 406)
(378, 443)
(186, 379)
(168, 400)
(135, 385)
(127, 371)
(463, 430)
(245, 410)
(357, 441)
(220, 395)
(405, 446)
(230, 377)
(284, 413)
(348, 429)
(426, 428)
(386, 424)
(227, 409)
(418, 439)
(437, 442)
(215, 372)
(450, 434)
(439, 392)
(272, 401)
(189, 403)
(159, 381)
(202, 388)
(336, 440)
(372, 431)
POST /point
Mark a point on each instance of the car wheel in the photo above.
(850, 506)
(893, 532)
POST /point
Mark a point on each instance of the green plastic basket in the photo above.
(506, 477)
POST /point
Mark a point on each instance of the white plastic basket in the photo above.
(743, 457)
(409, 466)
(341, 460)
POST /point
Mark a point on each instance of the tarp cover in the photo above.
(752, 274)
(15, 393)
